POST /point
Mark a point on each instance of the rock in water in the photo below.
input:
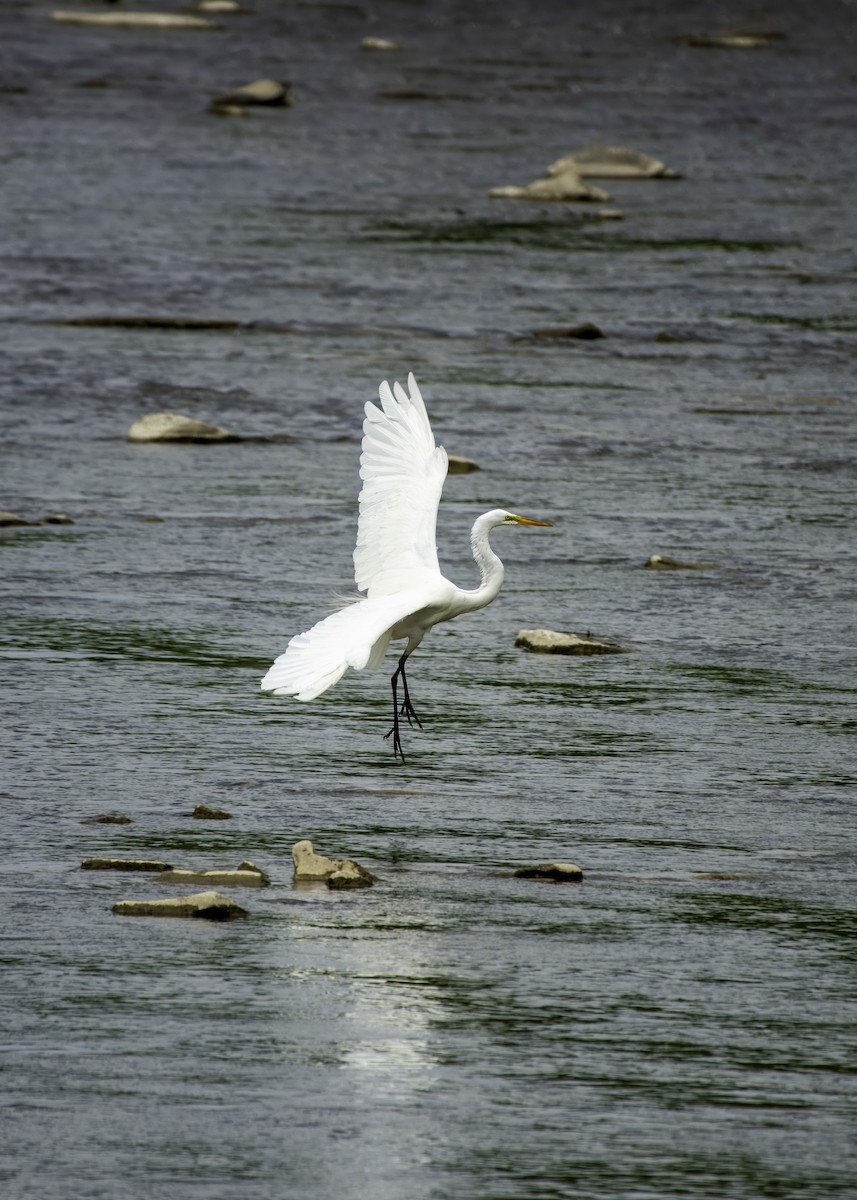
(336, 872)
(253, 879)
(661, 562)
(563, 185)
(612, 162)
(132, 20)
(211, 906)
(550, 641)
(174, 427)
(459, 465)
(555, 872)
(203, 813)
(124, 864)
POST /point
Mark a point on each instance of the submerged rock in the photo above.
(377, 43)
(336, 872)
(132, 20)
(203, 813)
(549, 641)
(175, 427)
(555, 872)
(107, 819)
(584, 332)
(11, 518)
(237, 878)
(561, 186)
(269, 93)
(57, 518)
(727, 41)
(459, 465)
(660, 562)
(125, 864)
(612, 162)
(211, 906)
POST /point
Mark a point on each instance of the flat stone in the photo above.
(174, 427)
(556, 872)
(612, 162)
(132, 20)
(238, 878)
(10, 518)
(107, 819)
(211, 906)
(562, 186)
(203, 813)
(219, 6)
(57, 518)
(124, 864)
(459, 465)
(550, 641)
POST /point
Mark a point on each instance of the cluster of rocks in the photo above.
(211, 904)
(310, 869)
(564, 180)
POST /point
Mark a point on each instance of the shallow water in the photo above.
(682, 1023)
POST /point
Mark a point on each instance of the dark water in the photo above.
(682, 1024)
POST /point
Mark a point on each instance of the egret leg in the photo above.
(406, 710)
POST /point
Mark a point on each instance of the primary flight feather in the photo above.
(395, 561)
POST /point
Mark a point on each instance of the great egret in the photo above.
(395, 561)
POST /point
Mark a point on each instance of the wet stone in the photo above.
(661, 562)
(175, 427)
(124, 864)
(551, 641)
(107, 819)
(459, 465)
(203, 813)
(336, 872)
(553, 872)
(210, 906)
(214, 879)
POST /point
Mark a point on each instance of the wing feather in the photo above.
(403, 471)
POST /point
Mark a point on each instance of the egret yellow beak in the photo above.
(526, 520)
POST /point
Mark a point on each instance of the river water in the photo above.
(682, 1023)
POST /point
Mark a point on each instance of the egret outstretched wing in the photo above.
(403, 472)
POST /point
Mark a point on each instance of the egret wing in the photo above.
(403, 472)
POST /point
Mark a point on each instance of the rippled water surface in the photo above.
(681, 1023)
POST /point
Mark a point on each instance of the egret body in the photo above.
(395, 561)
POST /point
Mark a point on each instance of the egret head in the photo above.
(514, 519)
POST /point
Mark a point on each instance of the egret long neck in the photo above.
(490, 566)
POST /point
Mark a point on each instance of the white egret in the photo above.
(395, 561)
